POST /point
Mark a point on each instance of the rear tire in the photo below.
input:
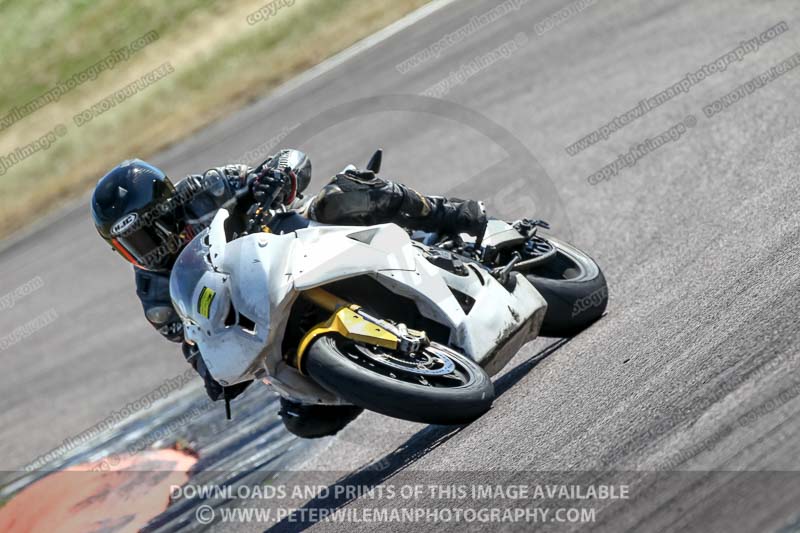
(575, 290)
(339, 365)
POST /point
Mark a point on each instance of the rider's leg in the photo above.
(361, 198)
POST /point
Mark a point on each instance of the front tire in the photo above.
(355, 373)
(575, 290)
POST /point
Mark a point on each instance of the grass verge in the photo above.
(219, 63)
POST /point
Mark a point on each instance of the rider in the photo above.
(148, 220)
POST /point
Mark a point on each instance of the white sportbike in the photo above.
(368, 316)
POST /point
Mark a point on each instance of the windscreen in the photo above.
(186, 273)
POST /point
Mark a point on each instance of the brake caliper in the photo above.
(354, 323)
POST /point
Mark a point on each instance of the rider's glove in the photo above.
(271, 187)
(214, 390)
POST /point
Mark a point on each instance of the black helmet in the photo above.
(134, 211)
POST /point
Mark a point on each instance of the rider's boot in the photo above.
(315, 421)
(442, 215)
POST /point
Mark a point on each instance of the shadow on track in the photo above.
(512, 377)
(416, 447)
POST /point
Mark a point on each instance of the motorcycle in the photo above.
(409, 326)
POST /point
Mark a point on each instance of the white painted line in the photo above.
(362, 45)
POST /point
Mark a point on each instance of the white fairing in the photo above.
(261, 275)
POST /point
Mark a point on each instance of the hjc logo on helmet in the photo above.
(124, 224)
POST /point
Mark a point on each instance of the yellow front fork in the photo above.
(346, 322)
(324, 299)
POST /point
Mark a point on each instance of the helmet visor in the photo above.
(147, 246)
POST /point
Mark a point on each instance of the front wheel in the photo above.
(435, 386)
(574, 287)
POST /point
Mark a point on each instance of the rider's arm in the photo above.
(152, 288)
(201, 195)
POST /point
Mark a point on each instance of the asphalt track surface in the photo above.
(694, 367)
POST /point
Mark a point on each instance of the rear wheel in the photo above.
(574, 287)
(435, 386)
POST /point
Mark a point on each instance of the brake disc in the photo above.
(419, 366)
